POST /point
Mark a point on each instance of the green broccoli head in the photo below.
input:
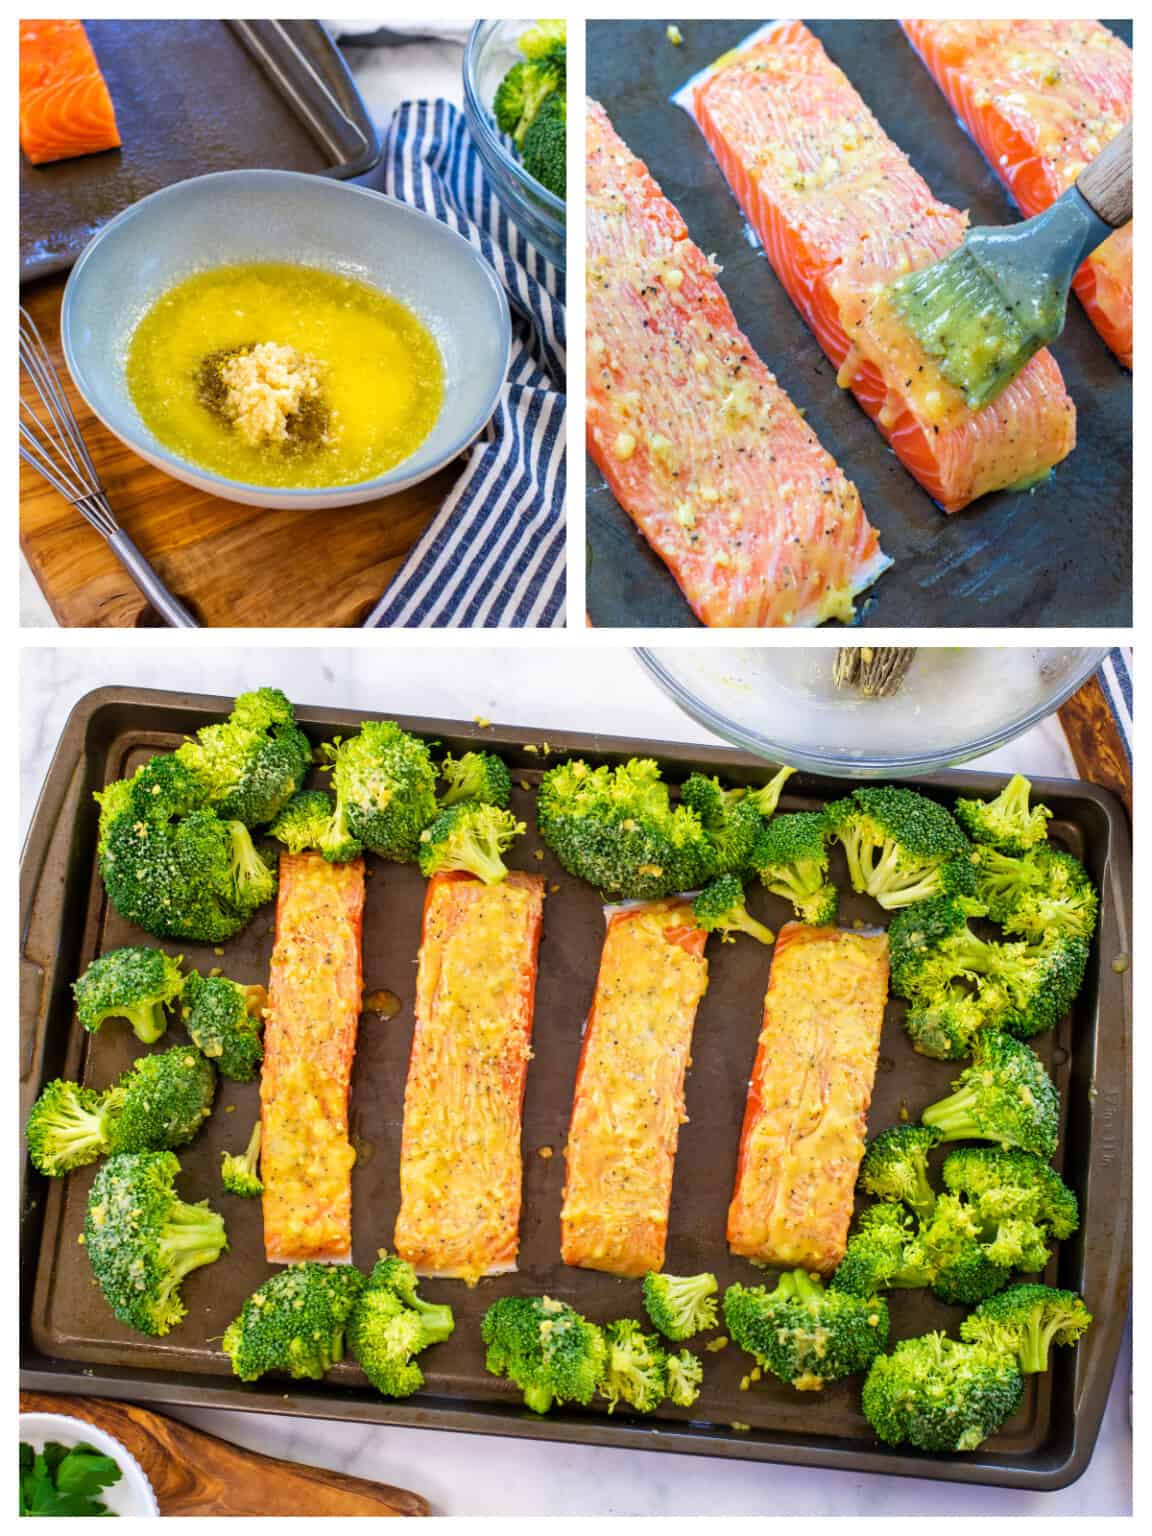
(225, 1019)
(616, 828)
(1004, 1095)
(791, 857)
(67, 1128)
(901, 846)
(313, 822)
(137, 983)
(527, 87)
(878, 1255)
(1025, 1321)
(730, 820)
(385, 785)
(391, 1324)
(945, 1027)
(936, 1394)
(162, 1101)
(142, 1239)
(294, 1322)
(1061, 904)
(469, 837)
(951, 1251)
(1006, 822)
(895, 1167)
(1005, 1181)
(683, 1378)
(479, 776)
(636, 1369)
(239, 1171)
(254, 762)
(544, 40)
(1035, 986)
(720, 908)
(803, 1333)
(545, 1347)
(681, 1306)
(766, 797)
(544, 147)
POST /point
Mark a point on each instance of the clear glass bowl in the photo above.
(955, 703)
(538, 213)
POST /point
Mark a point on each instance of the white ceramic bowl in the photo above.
(252, 216)
(132, 1495)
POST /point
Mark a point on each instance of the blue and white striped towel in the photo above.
(1116, 680)
(493, 557)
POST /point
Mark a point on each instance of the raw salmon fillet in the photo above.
(1042, 99)
(841, 214)
(698, 442)
(65, 108)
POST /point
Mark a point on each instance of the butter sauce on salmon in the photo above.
(698, 442)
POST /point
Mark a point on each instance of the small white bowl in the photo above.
(132, 1495)
(233, 217)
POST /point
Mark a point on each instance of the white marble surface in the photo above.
(549, 687)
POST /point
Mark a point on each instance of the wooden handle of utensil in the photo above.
(1106, 184)
(195, 1474)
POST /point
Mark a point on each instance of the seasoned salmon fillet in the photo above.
(804, 1121)
(698, 442)
(629, 1101)
(842, 213)
(1042, 99)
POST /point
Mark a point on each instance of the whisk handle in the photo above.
(170, 608)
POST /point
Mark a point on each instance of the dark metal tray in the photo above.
(193, 97)
(71, 1343)
(1061, 555)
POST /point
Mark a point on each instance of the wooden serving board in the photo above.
(233, 565)
(195, 1474)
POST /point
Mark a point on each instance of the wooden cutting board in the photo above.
(232, 565)
(195, 1474)
(1095, 741)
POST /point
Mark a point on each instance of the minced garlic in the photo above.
(266, 388)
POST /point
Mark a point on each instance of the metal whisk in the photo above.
(51, 443)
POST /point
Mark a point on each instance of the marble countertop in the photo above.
(459, 1474)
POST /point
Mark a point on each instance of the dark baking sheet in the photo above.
(1060, 555)
(191, 97)
(71, 1343)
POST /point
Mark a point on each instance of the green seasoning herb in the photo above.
(64, 1480)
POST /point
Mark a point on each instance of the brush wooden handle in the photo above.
(1106, 184)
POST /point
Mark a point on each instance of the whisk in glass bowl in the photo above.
(52, 444)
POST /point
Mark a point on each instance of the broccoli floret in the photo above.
(390, 1324)
(616, 828)
(1025, 1321)
(940, 1395)
(681, 1306)
(312, 820)
(720, 908)
(172, 866)
(67, 1128)
(901, 847)
(1004, 1181)
(385, 785)
(636, 1369)
(877, 1257)
(1044, 895)
(895, 1167)
(950, 1250)
(225, 1018)
(791, 857)
(1006, 822)
(1005, 1096)
(527, 87)
(545, 145)
(294, 1322)
(545, 1347)
(803, 1333)
(766, 797)
(142, 1239)
(469, 837)
(479, 776)
(945, 1027)
(137, 984)
(730, 820)
(544, 40)
(162, 1101)
(239, 1171)
(683, 1378)
(254, 762)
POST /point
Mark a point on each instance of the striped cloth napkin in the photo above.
(1116, 680)
(493, 557)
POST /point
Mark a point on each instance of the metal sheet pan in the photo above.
(1061, 555)
(71, 1343)
(193, 97)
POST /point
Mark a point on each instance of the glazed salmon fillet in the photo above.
(699, 444)
(842, 213)
(1042, 99)
(65, 107)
